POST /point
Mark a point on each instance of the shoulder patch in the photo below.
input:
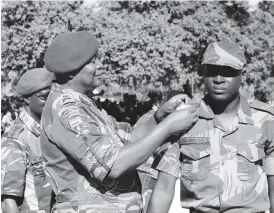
(86, 101)
(15, 131)
(261, 106)
(67, 98)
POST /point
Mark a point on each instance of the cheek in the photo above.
(207, 82)
(91, 69)
(36, 104)
(235, 84)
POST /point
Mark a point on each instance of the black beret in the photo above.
(33, 81)
(70, 51)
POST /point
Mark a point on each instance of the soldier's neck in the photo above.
(77, 88)
(229, 107)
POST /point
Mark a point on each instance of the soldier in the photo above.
(221, 157)
(89, 158)
(24, 185)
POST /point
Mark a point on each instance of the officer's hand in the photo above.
(170, 106)
(181, 120)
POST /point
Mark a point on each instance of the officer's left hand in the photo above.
(170, 106)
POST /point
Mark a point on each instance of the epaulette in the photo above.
(261, 106)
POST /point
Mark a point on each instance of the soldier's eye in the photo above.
(43, 97)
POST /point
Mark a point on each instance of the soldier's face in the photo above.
(38, 101)
(221, 82)
(94, 75)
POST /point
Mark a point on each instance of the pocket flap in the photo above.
(251, 152)
(195, 147)
(194, 154)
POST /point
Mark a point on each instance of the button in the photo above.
(223, 163)
(251, 158)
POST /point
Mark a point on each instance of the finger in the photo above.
(195, 120)
(195, 114)
(192, 109)
(180, 98)
(196, 105)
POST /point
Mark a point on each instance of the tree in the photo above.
(144, 44)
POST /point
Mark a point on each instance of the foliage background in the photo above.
(145, 45)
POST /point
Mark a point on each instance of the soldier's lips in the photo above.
(219, 90)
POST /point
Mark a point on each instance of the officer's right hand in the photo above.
(180, 121)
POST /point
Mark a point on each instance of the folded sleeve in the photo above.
(13, 167)
(169, 160)
(90, 142)
(268, 133)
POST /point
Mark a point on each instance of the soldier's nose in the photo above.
(218, 79)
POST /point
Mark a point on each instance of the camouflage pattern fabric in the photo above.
(148, 175)
(80, 143)
(221, 169)
(22, 166)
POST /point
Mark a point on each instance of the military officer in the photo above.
(89, 158)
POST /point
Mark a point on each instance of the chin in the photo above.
(223, 97)
(97, 83)
(219, 97)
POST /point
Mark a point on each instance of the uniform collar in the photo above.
(29, 122)
(58, 88)
(244, 111)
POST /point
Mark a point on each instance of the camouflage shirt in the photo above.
(221, 169)
(22, 165)
(80, 143)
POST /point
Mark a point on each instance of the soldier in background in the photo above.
(90, 158)
(221, 157)
(24, 185)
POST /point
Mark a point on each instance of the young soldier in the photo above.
(220, 158)
(24, 185)
(88, 157)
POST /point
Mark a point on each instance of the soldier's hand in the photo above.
(181, 120)
(170, 106)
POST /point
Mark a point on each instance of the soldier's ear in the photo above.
(244, 75)
(243, 72)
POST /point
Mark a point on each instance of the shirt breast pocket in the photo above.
(195, 158)
(250, 159)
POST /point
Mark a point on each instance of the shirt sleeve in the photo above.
(79, 133)
(169, 161)
(268, 133)
(144, 118)
(13, 167)
(123, 130)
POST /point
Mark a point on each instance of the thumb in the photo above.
(177, 103)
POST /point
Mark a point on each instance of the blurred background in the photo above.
(147, 47)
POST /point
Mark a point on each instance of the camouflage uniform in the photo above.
(80, 143)
(221, 170)
(22, 166)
